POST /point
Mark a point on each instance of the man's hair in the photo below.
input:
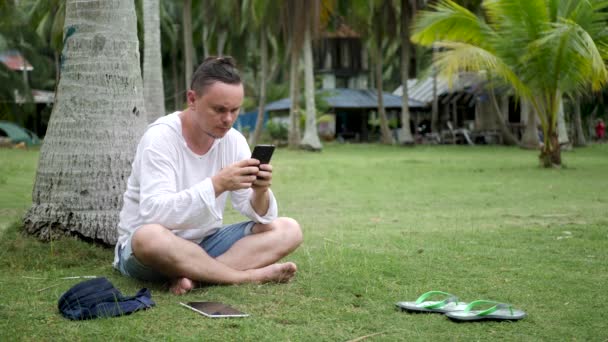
(215, 69)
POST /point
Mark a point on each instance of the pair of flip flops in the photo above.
(460, 311)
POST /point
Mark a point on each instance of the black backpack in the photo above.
(99, 298)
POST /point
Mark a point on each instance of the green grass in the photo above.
(381, 225)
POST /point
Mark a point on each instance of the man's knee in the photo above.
(290, 230)
(150, 240)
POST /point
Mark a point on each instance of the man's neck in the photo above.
(197, 140)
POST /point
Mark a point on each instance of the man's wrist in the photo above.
(217, 187)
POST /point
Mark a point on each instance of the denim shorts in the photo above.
(215, 245)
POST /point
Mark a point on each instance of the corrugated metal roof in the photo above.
(422, 90)
(351, 98)
(15, 61)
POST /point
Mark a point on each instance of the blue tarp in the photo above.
(246, 121)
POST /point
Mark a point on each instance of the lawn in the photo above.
(382, 224)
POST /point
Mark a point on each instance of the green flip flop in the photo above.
(498, 312)
(448, 304)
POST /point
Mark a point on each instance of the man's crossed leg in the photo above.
(155, 250)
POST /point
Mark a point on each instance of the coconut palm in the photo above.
(376, 20)
(310, 140)
(544, 49)
(263, 16)
(294, 25)
(154, 93)
(407, 9)
(188, 45)
(95, 124)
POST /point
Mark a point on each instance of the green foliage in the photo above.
(277, 130)
(381, 224)
(542, 48)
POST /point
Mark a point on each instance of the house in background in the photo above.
(42, 99)
(340, 61)
(465, 104)
(353, 111)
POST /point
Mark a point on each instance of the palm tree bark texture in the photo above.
(154, 93)
(94, 127)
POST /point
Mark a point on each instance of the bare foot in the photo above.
(180, 286)
(277, 273)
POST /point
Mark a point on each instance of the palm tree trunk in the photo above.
(579, 136)
(294, 94)
(550, 155)
(188, 47)
(435, 106)
(562, 130)
(406, 133)
(205, 41)
(530, 137)
(176, 93)
(311, 136)
(507, 136)
(384, 131)
(154, 93)
(259, 123)
(95, 125)
(221, 42)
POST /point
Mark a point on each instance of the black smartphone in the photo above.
(214, 309)
(263, 153)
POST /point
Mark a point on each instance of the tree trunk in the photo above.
(222, 37)
(95, 125)
(205, 41)
(507, 136)
(435, 105)
(154, 93)
(530, 137)
(188, 47)
(294, 94)
(405, 136)
(176, 81)
(259, 123)
(579, 136)
(550, 155)
(311, 136)
(386, 137)
(562, 131)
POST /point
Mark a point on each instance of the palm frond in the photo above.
(522, 19)
(457, 57)
(449, 21)
(576, 59)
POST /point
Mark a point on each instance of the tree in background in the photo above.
(311, 140)
(542, 48)
(407, 10)
(376, 19)
(294, 25)
(97, 119)
(154, 93)
(188, 45)
(264, 22)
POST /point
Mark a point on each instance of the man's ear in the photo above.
(191, 97)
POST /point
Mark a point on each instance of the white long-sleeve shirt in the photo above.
(170, 185)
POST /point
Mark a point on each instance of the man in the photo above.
(185, 166)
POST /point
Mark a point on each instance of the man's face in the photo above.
(217, 109)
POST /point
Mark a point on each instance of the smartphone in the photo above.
(214, 309)
(263, 153)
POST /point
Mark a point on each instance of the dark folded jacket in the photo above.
(99, 298)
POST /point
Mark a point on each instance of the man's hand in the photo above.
(264, 179)
(240, 175)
